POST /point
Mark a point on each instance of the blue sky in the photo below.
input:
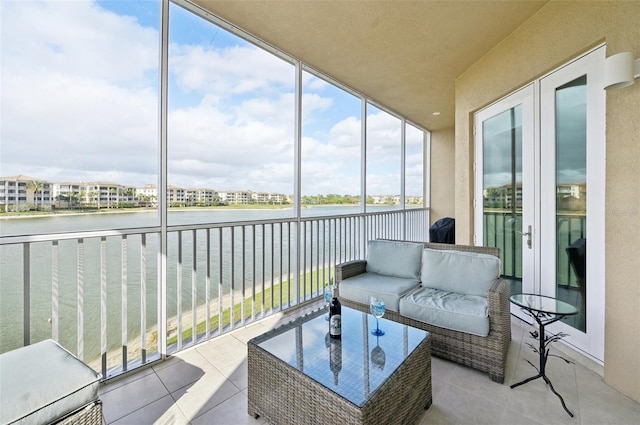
(81, 78)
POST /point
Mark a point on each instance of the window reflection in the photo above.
(571, 196)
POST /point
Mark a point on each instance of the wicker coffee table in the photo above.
(298, 375)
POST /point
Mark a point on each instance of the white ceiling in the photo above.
(404, 55)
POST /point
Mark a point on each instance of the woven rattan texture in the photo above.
(487, 354)
(90, 414)
(283, 395)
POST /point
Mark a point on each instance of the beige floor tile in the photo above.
(237, 374)
(534, 400)
(131, 397)
(251, 331)
(205, 394)
(233, 411)
(119, 382)
(601, 404)
(477, 383)
(184, 371)
(223, 352)
(160, 412)
(512, 417)
(458, 406)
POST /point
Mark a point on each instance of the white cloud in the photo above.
(79, 102)
(76, 85)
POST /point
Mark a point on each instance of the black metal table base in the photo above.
(550, 386)
(544, 319)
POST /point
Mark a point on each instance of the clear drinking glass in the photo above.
(376, 307)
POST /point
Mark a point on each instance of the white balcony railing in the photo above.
(99, 293)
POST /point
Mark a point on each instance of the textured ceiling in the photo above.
(404, 55)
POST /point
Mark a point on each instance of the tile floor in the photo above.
(207, 384)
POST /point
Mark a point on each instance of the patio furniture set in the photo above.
(441, 299)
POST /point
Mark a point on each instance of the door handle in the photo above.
(528, 234)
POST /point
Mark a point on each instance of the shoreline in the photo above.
(135, 210)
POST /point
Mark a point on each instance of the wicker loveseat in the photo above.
(483, 350)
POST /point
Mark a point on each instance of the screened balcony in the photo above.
(161, 287)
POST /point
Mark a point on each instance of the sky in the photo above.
(79, 102)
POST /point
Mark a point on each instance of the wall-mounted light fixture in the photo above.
(620, 70)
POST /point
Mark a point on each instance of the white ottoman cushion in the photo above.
(43, 382)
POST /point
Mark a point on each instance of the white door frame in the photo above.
(590, 343)
(530, 151)
(538, 145)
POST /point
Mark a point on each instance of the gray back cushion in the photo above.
(391, 258)
(459, 271)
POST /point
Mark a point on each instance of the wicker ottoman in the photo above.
(43, 383)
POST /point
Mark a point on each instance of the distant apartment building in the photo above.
(570, 196)
(176, 196)
(386, 199)
(236, 196)
(260, 197)
(67, 194)
(147, 195)
(24, 193)
(502, 196)
(201, 197)
(414, 200)
(277, 198)
(102, 194)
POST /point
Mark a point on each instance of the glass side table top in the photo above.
(543, 304)
(353, 367)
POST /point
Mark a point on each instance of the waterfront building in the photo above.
(23, 193)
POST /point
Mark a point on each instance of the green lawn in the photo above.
(287, 291)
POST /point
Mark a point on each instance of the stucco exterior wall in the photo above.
(559, 32)
(442, 174)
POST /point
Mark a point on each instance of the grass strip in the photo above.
(260, 297)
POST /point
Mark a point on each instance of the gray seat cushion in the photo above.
(43, 382)
(458, 312)
(389, 289)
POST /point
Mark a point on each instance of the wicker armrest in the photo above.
(350, 269)
(499, 310)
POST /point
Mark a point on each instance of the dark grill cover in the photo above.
(578, 257)
(443, 231)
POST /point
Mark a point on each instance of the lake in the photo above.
(138, 261)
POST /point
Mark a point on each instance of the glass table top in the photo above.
(355, 366)
(543, 304)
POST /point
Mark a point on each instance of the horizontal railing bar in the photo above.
(49, 237)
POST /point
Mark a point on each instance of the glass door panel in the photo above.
(571, 197)
(505, 210)
(502, 188)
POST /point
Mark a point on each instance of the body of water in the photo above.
(116, 258)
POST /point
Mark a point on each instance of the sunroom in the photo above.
(312, 127)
